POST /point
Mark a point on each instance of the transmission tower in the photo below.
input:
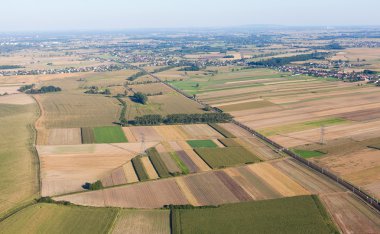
(322, 139)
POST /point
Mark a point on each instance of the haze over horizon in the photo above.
(44, 15)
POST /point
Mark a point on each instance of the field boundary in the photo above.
(371, 201)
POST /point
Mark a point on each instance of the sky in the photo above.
(47, 15)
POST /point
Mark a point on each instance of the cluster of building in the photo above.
(350, 76)
(101, 68)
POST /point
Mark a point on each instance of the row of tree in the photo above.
(286, 60)
(182, 119)
(44, 89)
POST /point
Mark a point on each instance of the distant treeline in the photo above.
(44, 89)
(190, 68)
(286, 60)
(182, 119)
(6, 67)
(137, 75)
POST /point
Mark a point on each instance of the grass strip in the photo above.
(179, 162)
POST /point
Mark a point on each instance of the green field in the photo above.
(179, 162)
(157, 162)
(221, 130)
(140, 169)
(308, 153)
(225, 157)
(202, 144)
(18, 161)
(49, 218)
(304, 214)
(110, 134)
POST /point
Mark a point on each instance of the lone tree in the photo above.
(140, 97)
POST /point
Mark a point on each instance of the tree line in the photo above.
(44, 89)
(273, 62)
(181, 119)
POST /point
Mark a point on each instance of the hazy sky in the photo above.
(17, 15)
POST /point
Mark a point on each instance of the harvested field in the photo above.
(282, 183)
(234, 187)
(130, 173)
(152, 88)
(116, 177)
(129, 135)
(64, 110)
(170, 133)
(222, 130)
(224, 157)
(50, 218)
(64, 136)
(256, 187)
(142, 221)
(16, 99)
(148, 195)
(350, 214)
(9, 89)
(200, 164)
(298, 215)
(18, 170)
(62, 166)
(309, 179)
(111, 134)
(148, 133)
(230, 142)
(200, 131)
(88, 136)
(151, 172)
(208, 189)
(171, 103)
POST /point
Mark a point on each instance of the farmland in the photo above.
(223, 157)
(298, 215)
(18, 170)
(48, 218)
(79, 157)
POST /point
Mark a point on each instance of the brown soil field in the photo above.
(129, 135)
(148, 133)
(351, 214)
(208, 189)
(152, 174)
(200, 132)
(362, 115)
(115, 177)
(16, 99)
(61, 136)
(130, 173)
(147, 195)
(252, 184)
(62, 167)
(170, 133)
